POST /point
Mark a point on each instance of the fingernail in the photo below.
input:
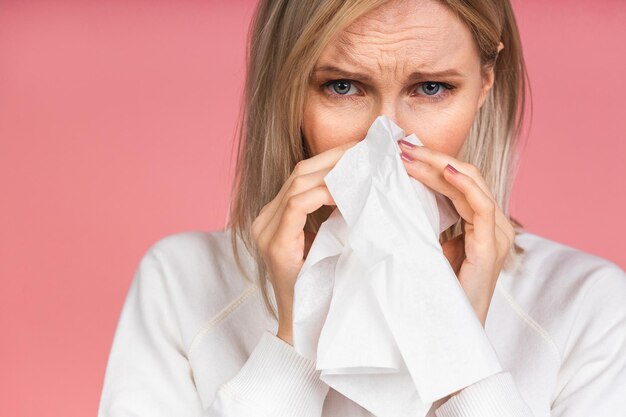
(451, 169)
(406, 144)
(406, 156)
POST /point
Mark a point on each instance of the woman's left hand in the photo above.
(477, 255)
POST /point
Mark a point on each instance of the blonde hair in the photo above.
(285, 40)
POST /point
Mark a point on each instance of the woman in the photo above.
(206, 327)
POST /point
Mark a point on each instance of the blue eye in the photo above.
(431, 87)
(341, 87)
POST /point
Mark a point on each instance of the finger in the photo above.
(484, 209)
(292, 221)
(317, 162)
(433, 178)
(324, 159)
(440, 160)
(298, 185)
(504, 233)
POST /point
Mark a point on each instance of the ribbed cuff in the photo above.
(280, 380)
(494, 396)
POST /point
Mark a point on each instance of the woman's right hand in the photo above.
(279, 233)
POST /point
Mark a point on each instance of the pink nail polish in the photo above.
(451, 169)
(406, 144)
(406, 157)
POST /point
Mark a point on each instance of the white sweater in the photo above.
(193, 339)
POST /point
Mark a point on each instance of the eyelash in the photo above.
(447, 88)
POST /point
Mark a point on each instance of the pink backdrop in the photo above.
(116, 127)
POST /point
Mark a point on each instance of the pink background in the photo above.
(106, 146)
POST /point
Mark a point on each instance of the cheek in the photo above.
(444, 128)
(325, 127)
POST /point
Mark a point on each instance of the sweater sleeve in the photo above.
(494, 396)
(592, 377)
(275, 379)
(148, 373)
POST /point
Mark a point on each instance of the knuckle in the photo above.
(273, 253)
(298, 169)
(472, 170)
(263, 210)
(419, 167)
(298, 183)
(322, 192)
(293, 202)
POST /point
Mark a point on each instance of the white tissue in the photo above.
(376, 303)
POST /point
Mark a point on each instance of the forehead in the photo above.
(424, 33)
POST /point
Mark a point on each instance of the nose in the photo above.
(391, 109)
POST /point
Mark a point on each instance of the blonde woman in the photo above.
(206, 329)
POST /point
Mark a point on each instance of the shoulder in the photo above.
(203, 261)
(552, 264)
(197, 252)
(561, 288)
(197, 272)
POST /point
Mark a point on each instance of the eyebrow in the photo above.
(415, 75)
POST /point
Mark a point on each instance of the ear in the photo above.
(488, 80)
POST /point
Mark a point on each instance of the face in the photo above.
(414, 61)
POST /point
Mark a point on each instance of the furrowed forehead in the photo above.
(409, 42)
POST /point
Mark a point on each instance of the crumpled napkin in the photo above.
(376, 304)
